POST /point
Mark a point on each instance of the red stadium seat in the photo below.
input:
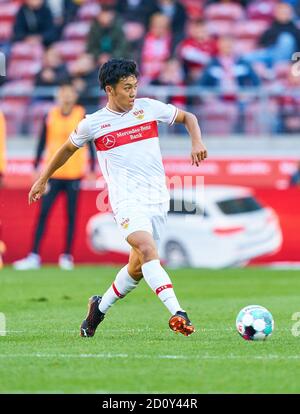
(219, 27)
(14, 111)
(70, 49)
(261, 10)
(251, 29)
(8, 11)
(23, 69)
(26, 51)
(18, 87)
(77, 30)
(224, 11)
(6, 29)
(89, 11)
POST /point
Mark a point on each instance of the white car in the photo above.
(216, 227)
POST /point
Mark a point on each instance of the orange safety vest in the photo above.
(2, 143)
(58, 129)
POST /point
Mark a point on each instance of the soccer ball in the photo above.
(254, 323)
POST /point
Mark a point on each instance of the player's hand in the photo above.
(37, 190)
(198, 154)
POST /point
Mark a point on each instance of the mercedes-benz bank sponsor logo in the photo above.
(108, 141)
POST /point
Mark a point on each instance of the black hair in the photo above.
(115, 69)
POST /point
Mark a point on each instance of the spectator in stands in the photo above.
(136, 16)
(34, 23)
(176, 13)
(227, 71)
(196, 50)
(106, 38)
(280, 41)
(157, 47)
(172, 75)
(84, 75)
(58, 125)
(295, 177)
(53, 71)
(2, 147)
(63, 12)
(137, 10)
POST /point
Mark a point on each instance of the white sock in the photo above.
(122, 285)
(159, 281)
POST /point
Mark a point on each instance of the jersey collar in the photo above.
(115, 112)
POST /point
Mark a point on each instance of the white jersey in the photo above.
(128, 151)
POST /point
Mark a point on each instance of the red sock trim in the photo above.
(161, 288)
(117, 292)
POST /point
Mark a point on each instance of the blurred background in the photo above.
(234, 64)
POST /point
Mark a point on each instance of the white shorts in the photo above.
(151, 218)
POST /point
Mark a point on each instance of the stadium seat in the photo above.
(6, 29)
(89, 11)
(76, 30)
(18, 87)
(261, 10)
(251, 29)
(27, 51)
(14, 112)
(8, 11)
(23, 69)
(219, 27)
(224, 11)
(70, 49)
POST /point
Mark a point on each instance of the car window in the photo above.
(239, 205)
(178, 206)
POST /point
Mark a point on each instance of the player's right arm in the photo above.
(76, 140)
(59, 159)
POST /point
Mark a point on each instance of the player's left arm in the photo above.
(189, 120)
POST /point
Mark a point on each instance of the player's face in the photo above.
(124, 93)
(66, 96)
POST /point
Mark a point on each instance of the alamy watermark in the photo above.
(2, 324)
(2, 64)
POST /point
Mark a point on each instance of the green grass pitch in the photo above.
(133, 350)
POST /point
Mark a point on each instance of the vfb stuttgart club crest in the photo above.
(108, 141)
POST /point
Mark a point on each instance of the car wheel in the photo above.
(176, 255)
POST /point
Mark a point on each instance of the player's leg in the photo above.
(126, 280)
(158, 279)
(32, 261)
(72, 189)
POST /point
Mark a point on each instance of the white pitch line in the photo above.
(147, 356)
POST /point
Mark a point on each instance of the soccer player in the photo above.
(126, 138)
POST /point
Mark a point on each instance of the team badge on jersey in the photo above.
(125, 223)
(139, 114)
